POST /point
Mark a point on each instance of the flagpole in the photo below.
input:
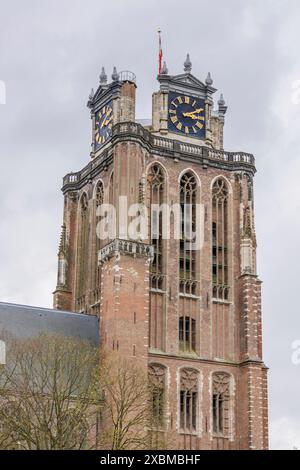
(160, 53)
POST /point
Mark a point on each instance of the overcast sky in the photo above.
(51, 53)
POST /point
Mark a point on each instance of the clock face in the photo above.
(103, 124)
(186, 115)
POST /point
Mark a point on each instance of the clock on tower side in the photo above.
(182, 109)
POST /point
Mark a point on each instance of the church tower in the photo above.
(158, 240)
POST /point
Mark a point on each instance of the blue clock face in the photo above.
(103, 124)
(186, 115)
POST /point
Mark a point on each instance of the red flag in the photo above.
(160, 54)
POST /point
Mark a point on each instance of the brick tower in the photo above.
(181, 297)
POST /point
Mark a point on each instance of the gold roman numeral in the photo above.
(199, 124)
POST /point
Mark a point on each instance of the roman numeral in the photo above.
(199, 124)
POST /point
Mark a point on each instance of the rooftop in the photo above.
(24, 321)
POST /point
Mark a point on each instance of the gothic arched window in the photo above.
(187, 261)
(99, 193)
(220, 239)
(188, 400)
(221, 403)
(82, 251)
(99, 199)
(156, 186)
(157, 383)
(111, 189)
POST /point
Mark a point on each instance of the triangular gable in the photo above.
(185, 81)
(188, 79)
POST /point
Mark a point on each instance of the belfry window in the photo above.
(82, 249)
(156, 185)
(220, 240)
(187, 253)
(220, 403)
(99, 199)
(188, 400)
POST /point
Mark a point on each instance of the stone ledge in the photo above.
(125, 247)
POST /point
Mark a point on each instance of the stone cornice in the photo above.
(157, 145)
(126, 247)
(202, 360)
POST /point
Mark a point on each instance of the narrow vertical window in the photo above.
(111, 189)
(188, 401)
(82, 253)
(187, 334)
(156, 185)
(220, 403)
(99, 196)
(156, 192)
(220, 240)
(157, 384)
(187, 255)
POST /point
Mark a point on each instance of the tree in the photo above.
(126, 412)
(49, 394)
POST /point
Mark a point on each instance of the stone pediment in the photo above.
(185, 82)
(188, 79)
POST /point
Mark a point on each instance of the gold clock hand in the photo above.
(108, 121)
(200, 118)
(103, 122)
(199, 110)
(191, 113)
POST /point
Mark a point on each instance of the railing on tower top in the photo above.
(127, 76)
(135, 129)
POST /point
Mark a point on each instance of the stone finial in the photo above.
(115, 75)
(209, 81)
(221, 101)
(103, 77)
(187, 64)
(164, 70)
(222, 106)
(91, 95)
